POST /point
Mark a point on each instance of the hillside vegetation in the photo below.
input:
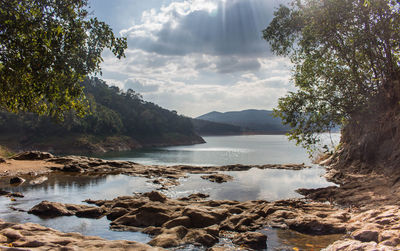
(118, 120)
(257, 121)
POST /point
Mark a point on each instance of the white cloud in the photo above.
(196, 56)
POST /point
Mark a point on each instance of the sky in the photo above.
(195, 56)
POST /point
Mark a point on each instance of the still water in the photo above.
(223, 150)
(247, 185)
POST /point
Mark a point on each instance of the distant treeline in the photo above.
(112, 112)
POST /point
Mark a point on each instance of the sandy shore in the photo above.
(19, 167)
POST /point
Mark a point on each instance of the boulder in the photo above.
(180, 221)
(9, 194)
(16, 180)
(156, 196)
(116, 212)
(170, 237)
(92, 212)
(218, 177)
(33, 155)
(200, 218)
(366, 235)
(252, 240)
(50, 209)
(73, 168)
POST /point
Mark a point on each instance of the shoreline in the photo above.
(310, 215)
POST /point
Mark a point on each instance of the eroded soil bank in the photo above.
(367, 215)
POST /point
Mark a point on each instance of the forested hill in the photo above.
(118, 120)
(257, 121)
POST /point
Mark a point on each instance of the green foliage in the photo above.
(345, 54)
(112, 112)
(47, 47)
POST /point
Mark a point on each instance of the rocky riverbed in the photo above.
(367, 216)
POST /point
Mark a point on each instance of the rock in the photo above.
(200, 218)
(252, 240)
(2, 160)
(195, 197)
(156, 196)
(117, 212)
(17, 180)
(218, 249)
(315, 226)
(50, 209)
(389, 234)
(33, 155)
(205, 239)
(12, 234)
(366, 235)
(218, 178)
(358, 245)
(180, 221)
(54, 209)
(72, 168)
(31, 236)
(38, 181)
(169, 238)
(9, 194)
(92, 212)
(213, 230)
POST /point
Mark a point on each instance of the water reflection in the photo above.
(73, 189)
(254, 184)
(290, 240)
(222, 150)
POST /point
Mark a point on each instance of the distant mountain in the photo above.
(204, 127)
(257, 121)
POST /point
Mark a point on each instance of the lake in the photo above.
(252, 184)
(224, 150)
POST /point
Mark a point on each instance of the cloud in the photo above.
(137, 86)
(195, 56)
(202, 26)
(235, 64)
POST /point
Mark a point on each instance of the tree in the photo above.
(345, 55)
(47, 48)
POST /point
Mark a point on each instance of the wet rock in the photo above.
(358, 245)
(116, 212)
(218, 249)
(72, 168)
(33, 236)
(156, 196)
(252, 240)
(50, 209)
(213, 230)
(54, 209)
(38, 180)
(366, 235)
(92, 212)
(200, 218)
(16, 181)
(9, 194)
(315, 226)
(33, 155)
(195, 197)
(218, 178)
(11, 234)
(170, 237)
(180, 221)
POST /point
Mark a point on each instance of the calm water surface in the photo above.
(223, 150)
(247, 185)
